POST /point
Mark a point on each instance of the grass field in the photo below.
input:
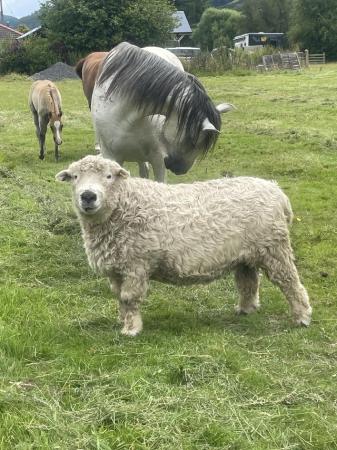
(198, 377)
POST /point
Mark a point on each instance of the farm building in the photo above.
(7, 33)
(182, 27)
(252, 41)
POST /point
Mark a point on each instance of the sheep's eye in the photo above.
(109, 177)
(75, 177)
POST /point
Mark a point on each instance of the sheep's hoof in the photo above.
(304, 319)
(249, 309)
(130, 331)
(41, 157)
(132, 324)
(303, 322)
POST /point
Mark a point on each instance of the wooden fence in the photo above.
(291, 60)
(314, 58)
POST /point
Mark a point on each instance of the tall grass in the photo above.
(225, 59)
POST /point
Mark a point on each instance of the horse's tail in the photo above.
(79, 67)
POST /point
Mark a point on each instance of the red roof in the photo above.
(6, 28)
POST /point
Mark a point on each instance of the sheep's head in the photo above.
(94, 179)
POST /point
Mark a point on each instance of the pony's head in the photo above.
(190, 131)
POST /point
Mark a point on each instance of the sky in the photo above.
(20, 8)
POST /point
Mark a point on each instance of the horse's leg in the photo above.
(57, 153)
(97, 145)
(144, 170)
(159, 170)
(37, 125)
(43, 123)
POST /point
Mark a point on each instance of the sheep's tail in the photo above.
(288, 212)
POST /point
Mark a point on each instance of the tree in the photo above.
(27, 56)
(266, 15)
(22, 28)
(217, 27)
(80, 26)
(314, 26)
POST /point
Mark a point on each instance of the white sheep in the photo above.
(135, 230)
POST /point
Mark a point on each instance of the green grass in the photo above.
(198, 377)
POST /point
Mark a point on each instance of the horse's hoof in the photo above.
(41, 157)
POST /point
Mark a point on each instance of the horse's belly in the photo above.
(126, 147)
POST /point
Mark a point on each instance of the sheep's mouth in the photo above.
(89, 210)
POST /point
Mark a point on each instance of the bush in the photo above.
(27, 57)
(224, 59)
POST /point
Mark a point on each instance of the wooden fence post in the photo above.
(306, 51)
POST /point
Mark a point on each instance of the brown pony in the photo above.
(87, 69)
(45, 104)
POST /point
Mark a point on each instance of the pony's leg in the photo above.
(57, 153)
(43, 123)
(247, 282)
(97, 145)
(37, 125)
(159, 169)
(144, 170)
(97, 148)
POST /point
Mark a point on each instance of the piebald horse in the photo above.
(46, 106)
(88, 68)
(145, 108)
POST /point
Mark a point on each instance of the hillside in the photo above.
(31, 21)
(11, 21)
(235, 4)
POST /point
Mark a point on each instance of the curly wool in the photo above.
(192, 233)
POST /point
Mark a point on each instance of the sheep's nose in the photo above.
(88, 196)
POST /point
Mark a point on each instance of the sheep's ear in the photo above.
(64, 175)
(123, 173)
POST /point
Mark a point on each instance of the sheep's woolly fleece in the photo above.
(187, 233)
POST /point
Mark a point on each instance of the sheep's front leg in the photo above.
(133, 290)
(115, 286)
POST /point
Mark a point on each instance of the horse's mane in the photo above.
(79, 67)
(55, 101)
(152, 84)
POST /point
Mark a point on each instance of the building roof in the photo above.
(29, 33)
(9, 30)
(183, 27)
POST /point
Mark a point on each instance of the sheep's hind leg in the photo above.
(281, 271)
(133, 290)
(247, 282)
